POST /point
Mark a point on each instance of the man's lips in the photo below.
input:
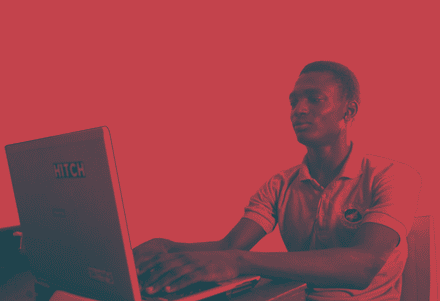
(301, 125)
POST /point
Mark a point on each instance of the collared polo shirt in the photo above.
(310, 217)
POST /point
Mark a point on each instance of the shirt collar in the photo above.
(353, 166)
(351, 169)
(304, 173)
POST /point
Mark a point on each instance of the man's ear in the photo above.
(351, 111)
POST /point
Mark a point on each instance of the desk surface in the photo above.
(21, 288)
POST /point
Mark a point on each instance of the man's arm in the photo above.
(243, 236)
(353, 267)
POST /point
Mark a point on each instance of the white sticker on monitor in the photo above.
(101, 275)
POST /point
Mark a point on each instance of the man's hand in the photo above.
(174, 271)
(146, 251)
(150, 248)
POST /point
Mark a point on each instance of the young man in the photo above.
(343, 216)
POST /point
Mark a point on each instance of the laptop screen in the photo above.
(72, 216)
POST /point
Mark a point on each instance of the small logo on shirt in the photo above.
(352, 215)
(69, 170)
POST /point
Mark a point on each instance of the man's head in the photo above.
(344, 76)
(325, 99)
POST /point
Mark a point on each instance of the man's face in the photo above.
(318, 110)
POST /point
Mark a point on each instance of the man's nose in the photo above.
(301, 107)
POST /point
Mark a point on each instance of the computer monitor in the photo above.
(72, 216)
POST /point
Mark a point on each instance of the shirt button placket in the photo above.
(321, 212)
(325, 210)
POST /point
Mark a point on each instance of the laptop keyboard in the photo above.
(187, 291)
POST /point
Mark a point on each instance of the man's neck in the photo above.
(325, 162)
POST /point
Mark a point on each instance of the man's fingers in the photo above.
(146, 262)
(172, 267)
(184, 281)
(168, 278)
(142, 267)
(157, 263)
(141, 258)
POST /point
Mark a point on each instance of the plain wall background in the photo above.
(195, 94)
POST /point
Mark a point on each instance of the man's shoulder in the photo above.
(281, 180)
(379, 165)
(288, 175)
(293, 170)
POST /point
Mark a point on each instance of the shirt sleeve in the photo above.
(395, 198)
(262, 205)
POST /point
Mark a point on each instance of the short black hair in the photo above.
(347, 79)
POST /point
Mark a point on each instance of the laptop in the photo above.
(73, 221)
